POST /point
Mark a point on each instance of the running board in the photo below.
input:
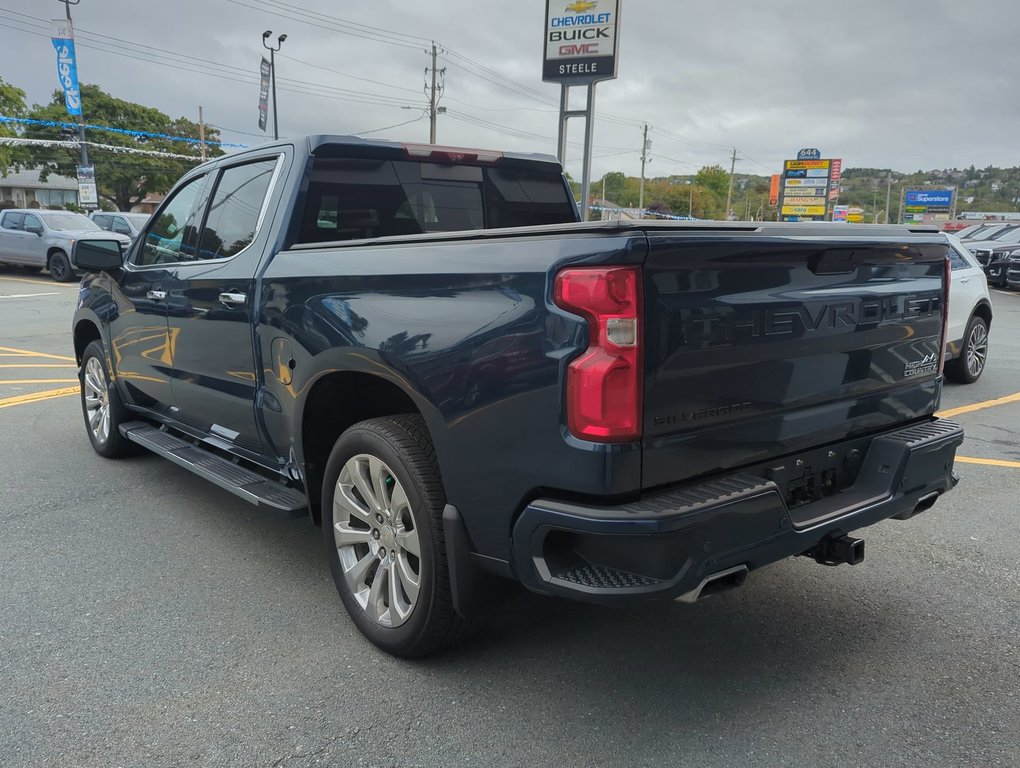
(248, 485)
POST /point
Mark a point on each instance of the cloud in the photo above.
(903, 84)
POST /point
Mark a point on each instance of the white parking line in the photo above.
(27, 295)
(1007, 293)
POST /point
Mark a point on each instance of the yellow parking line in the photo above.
(38, 365)
(35, 397)
(37, 381)
(30, 353)
(48, 284)
(979, 406)
(989, 462)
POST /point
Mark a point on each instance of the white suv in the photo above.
(970, 316)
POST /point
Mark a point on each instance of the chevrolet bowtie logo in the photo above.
(581, 6)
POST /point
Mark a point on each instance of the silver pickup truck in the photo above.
(40, 239)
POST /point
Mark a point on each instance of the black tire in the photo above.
(60, 267)
(968, 367)
(403, 445)
(115, 445)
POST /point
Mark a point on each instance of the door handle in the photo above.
(156, 295)
(964, 279)
(231, 299)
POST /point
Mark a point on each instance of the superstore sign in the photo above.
(580, 40)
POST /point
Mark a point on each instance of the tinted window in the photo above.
(32, 221)
(234, 211)
(14, 221)
(956, 261)
(102, 221)
(352, 199)
(173, 234)
(120, 226)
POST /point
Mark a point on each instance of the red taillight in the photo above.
(947, 281)
(604, 384)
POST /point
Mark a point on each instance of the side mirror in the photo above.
(98, 255)
(35, 229)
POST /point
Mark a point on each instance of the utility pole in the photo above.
(729, 192)
(888, 196)
(272, 74)
(435, 92)
(644, 158)
(81, 117)
(201, 133)
(690, 202)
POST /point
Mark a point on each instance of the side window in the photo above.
(172, 234)
(15, 221)
(31, 220)
(103, 222)
(120, 226)
(234, 210)
(956, 260)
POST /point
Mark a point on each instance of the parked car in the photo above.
(993, 250)
(1013, 272)
(129, 224)
(982, 231)
(970, 316)
(425, 352)
(40, 239)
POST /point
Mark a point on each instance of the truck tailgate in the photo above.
(758, 346)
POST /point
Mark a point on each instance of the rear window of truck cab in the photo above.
(352, 199)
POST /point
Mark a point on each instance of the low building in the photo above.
(25, 189)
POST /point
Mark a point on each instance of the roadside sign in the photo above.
(803, 210)
(774, 189)
(806, 186)
(834, 177)
(581, 41)
(928, 204)
(840, 212)
(855, 218)
(88, 194)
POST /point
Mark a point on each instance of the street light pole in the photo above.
(272, 74)
(81, 117)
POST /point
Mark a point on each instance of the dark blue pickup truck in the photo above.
(423, 350)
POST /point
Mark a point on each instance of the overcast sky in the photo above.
(904, 84)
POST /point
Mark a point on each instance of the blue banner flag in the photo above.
(67, 66)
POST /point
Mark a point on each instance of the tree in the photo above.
(615, 184)
(12, 104)
(714, 182)
(123, 178)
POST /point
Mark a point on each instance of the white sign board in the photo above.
(581, 39)
(88, 195)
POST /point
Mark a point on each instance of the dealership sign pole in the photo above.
(62, 37)
(581, 45)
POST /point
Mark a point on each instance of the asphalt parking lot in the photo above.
(148, 618)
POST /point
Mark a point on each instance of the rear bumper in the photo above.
(666, 545)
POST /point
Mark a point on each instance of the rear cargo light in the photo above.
(450, 154)
(604, 383)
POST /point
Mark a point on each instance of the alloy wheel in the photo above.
(377, 540)
(97, 399)
(977, 349)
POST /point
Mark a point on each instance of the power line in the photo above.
(395, 125)
(320, 21)
(346, 74)
(228, 72)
